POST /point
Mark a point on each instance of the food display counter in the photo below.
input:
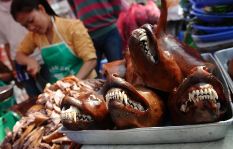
(169, 96)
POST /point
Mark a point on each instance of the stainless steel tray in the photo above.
(222, 57)
(153, 135)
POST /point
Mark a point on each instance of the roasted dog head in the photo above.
(199, 98)
(131, 107)
(84, 108)
(159, 58)
(152, 63)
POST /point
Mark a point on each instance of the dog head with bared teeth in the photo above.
(132, 107)
(199, 99)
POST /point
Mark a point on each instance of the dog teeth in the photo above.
(125, 98)
(143, 37)
(73, 113)
(199, 95)
(118, 94)
(152, 59)
(202, 94)
(141, 31)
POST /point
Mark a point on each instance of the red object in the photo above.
(135, 16)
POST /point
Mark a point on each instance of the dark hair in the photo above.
(28, 5)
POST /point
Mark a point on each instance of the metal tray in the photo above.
(165, 134)
(222, 57)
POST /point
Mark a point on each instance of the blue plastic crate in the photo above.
(201, 11)
(227, 35)
(212, 29)
(212, 18)
(211, 2)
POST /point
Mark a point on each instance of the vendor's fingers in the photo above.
(33, 70)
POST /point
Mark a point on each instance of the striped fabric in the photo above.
(99, 16)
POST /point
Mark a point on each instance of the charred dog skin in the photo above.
(160, 59)
(199, 99)
(85, 111)
(166, 64)
(132, 107)
(83, 108)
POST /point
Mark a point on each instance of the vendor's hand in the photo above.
(33, 67)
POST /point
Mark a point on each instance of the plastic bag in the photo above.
(20, 94)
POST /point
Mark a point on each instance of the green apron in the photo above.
(60, 59)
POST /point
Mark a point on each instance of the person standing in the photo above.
(100, 17)
(66, 47)
(11, 33)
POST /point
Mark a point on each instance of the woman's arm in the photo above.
(33, 67)
(83, 48)
(86, 69)
(26, 47)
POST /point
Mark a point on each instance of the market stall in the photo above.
(163, 94)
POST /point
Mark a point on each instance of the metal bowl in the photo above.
(6, 92)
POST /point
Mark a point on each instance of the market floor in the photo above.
(225, 143)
